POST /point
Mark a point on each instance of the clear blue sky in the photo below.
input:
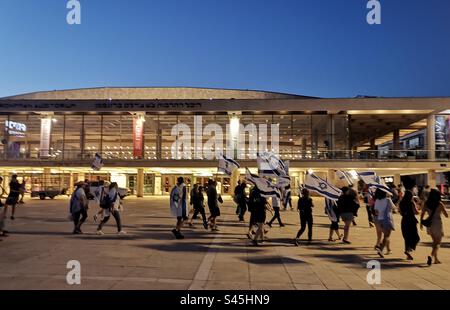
(313, 47)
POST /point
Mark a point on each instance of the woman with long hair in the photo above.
(408, 211)
(434, 207)
(384, 221)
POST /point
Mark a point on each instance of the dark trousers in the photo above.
(242, 209)
(305, 219)
(116, 216)
(198, 211)
(79, 218)
(276, 216)
(410, 234)
(369, 214)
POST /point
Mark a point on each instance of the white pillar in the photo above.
(397, 179)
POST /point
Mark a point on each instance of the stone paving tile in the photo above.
(35, 254)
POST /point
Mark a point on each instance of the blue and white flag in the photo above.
(227, 165)
(97, 164)
(329, 208)
(345, 177)
(271, 165)
(373, 181)
(322, 187)
(266, 188)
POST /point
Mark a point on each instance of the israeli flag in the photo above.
(329, 208)
(267, 189)
(374, 181)
(271, 165)
(97, 164)
(227, 165)
(322, 187)
(345, 177)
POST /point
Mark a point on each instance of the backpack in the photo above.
(107, 202)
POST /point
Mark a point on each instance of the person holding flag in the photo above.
(333, 214)
(262, 189)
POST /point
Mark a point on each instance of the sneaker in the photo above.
(215, 229)
(409, 256)
(380, 253)
(330, 240)
(100, 233)
(296, 242)
(249, 236)
(269, 224)
(255, 243)
(175, 232)
(346, 241)
(179, 236)
(122, 232)
(429, 261)
(205, 225)
(191, 224)
(282, 225)
(95, 218)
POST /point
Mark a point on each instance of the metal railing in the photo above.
(329, 155)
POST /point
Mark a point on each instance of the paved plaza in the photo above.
(35, 255)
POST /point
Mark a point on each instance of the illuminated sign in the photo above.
(46, 128)
(138, 137)
(15, 129)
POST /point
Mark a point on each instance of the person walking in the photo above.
(332, 211)
(198, 203)
(112, 206)
(434, 208)
(241, 199)
(257, 207)
(22, 191)
(3, 232)
(408, 211)
(305, 207)
(213, 204)
(369, 202)
(384, 221)
(347, 208)
(179, 206)
(99, 194)
(276, 204)
(13, 197)
(78, 207)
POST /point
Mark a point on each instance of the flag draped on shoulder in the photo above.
(266, 187)
(271, 165)
(345, 177)
(373, 181)
(97, 164)
(330, 206)
(322, 187)
(227, 165)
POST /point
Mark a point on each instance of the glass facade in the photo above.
(79, 136)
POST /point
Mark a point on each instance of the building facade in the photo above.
(50, 138)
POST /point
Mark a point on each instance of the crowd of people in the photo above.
(380, 204)
(424, 210)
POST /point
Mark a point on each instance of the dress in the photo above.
(436, 229)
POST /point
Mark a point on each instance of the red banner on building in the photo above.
(138, 137)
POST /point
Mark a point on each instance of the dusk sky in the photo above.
(321, 48)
